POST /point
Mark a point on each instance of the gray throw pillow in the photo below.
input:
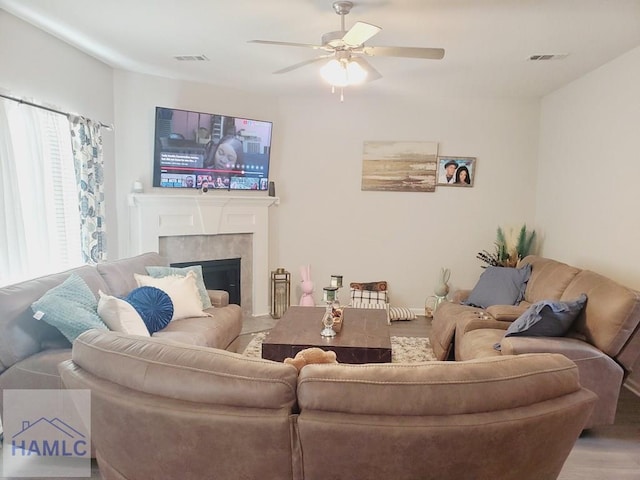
(547, 318)
(499, 286)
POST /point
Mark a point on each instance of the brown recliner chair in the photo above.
(164, 410)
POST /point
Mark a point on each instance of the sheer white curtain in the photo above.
(38, 200)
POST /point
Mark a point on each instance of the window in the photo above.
(38, 197)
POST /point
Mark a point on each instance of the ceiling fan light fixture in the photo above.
(334, 73)
(356, 75)
(342, 73)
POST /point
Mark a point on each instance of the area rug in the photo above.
(403, 349)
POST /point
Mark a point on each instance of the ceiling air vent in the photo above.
(191, 58)
(548, 56)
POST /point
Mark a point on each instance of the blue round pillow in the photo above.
(153, 305)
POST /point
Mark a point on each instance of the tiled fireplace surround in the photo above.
(187, 228)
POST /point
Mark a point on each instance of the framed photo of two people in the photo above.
(456, 171)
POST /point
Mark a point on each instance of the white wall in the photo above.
(588, 190)
(36, 65)
(324, 218)
(136, 97)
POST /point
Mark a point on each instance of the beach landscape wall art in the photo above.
(399, 166)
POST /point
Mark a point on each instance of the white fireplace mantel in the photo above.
(152, 216)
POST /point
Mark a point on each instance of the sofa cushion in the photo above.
(158, 272)
(22, 335)
(547, 318)
(499, 286)
(218, 331)
(549, 278)
(118, 275)
(71, 307)
(186, 372)
(182, 290)
(37, 371)
(120, 316)
(479, 343)
(436, 388)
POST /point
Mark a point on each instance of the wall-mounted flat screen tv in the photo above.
(195, 150)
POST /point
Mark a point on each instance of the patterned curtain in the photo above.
(86, 142)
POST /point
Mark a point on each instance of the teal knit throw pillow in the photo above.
(71, 307)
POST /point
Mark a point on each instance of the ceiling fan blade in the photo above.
(407, 52)
(372, 73)
(302, 64)
(288, 44)
(360, 33)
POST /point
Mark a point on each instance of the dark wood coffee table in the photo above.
(364, 337)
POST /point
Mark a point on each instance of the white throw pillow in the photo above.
(183, 291)
(120, 316)
(401, 313)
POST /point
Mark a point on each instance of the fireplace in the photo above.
(199, 249)
(220, 275)
(186, 228)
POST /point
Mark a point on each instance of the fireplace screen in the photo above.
(220, 275)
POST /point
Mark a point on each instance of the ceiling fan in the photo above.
(346, 49)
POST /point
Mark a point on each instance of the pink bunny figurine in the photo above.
(307, 287)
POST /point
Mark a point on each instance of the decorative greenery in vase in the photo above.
(509, 248)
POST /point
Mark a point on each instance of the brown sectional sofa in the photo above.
(30, 350)
(164, 410)
(603, 341)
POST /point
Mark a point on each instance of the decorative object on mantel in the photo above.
(399, 166)
(137, 187)
(511, 245)
(456, 171)
(306, 300)
(280, 292)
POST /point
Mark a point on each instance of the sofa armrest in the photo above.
(598, 372)
(506, 313)
(479, 323)
(219, 298)
(569, 347)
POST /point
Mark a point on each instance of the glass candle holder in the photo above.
(329, 294)
(336, 281)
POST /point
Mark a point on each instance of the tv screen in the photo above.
(194, 149)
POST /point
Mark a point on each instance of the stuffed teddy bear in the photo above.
(311, 355)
